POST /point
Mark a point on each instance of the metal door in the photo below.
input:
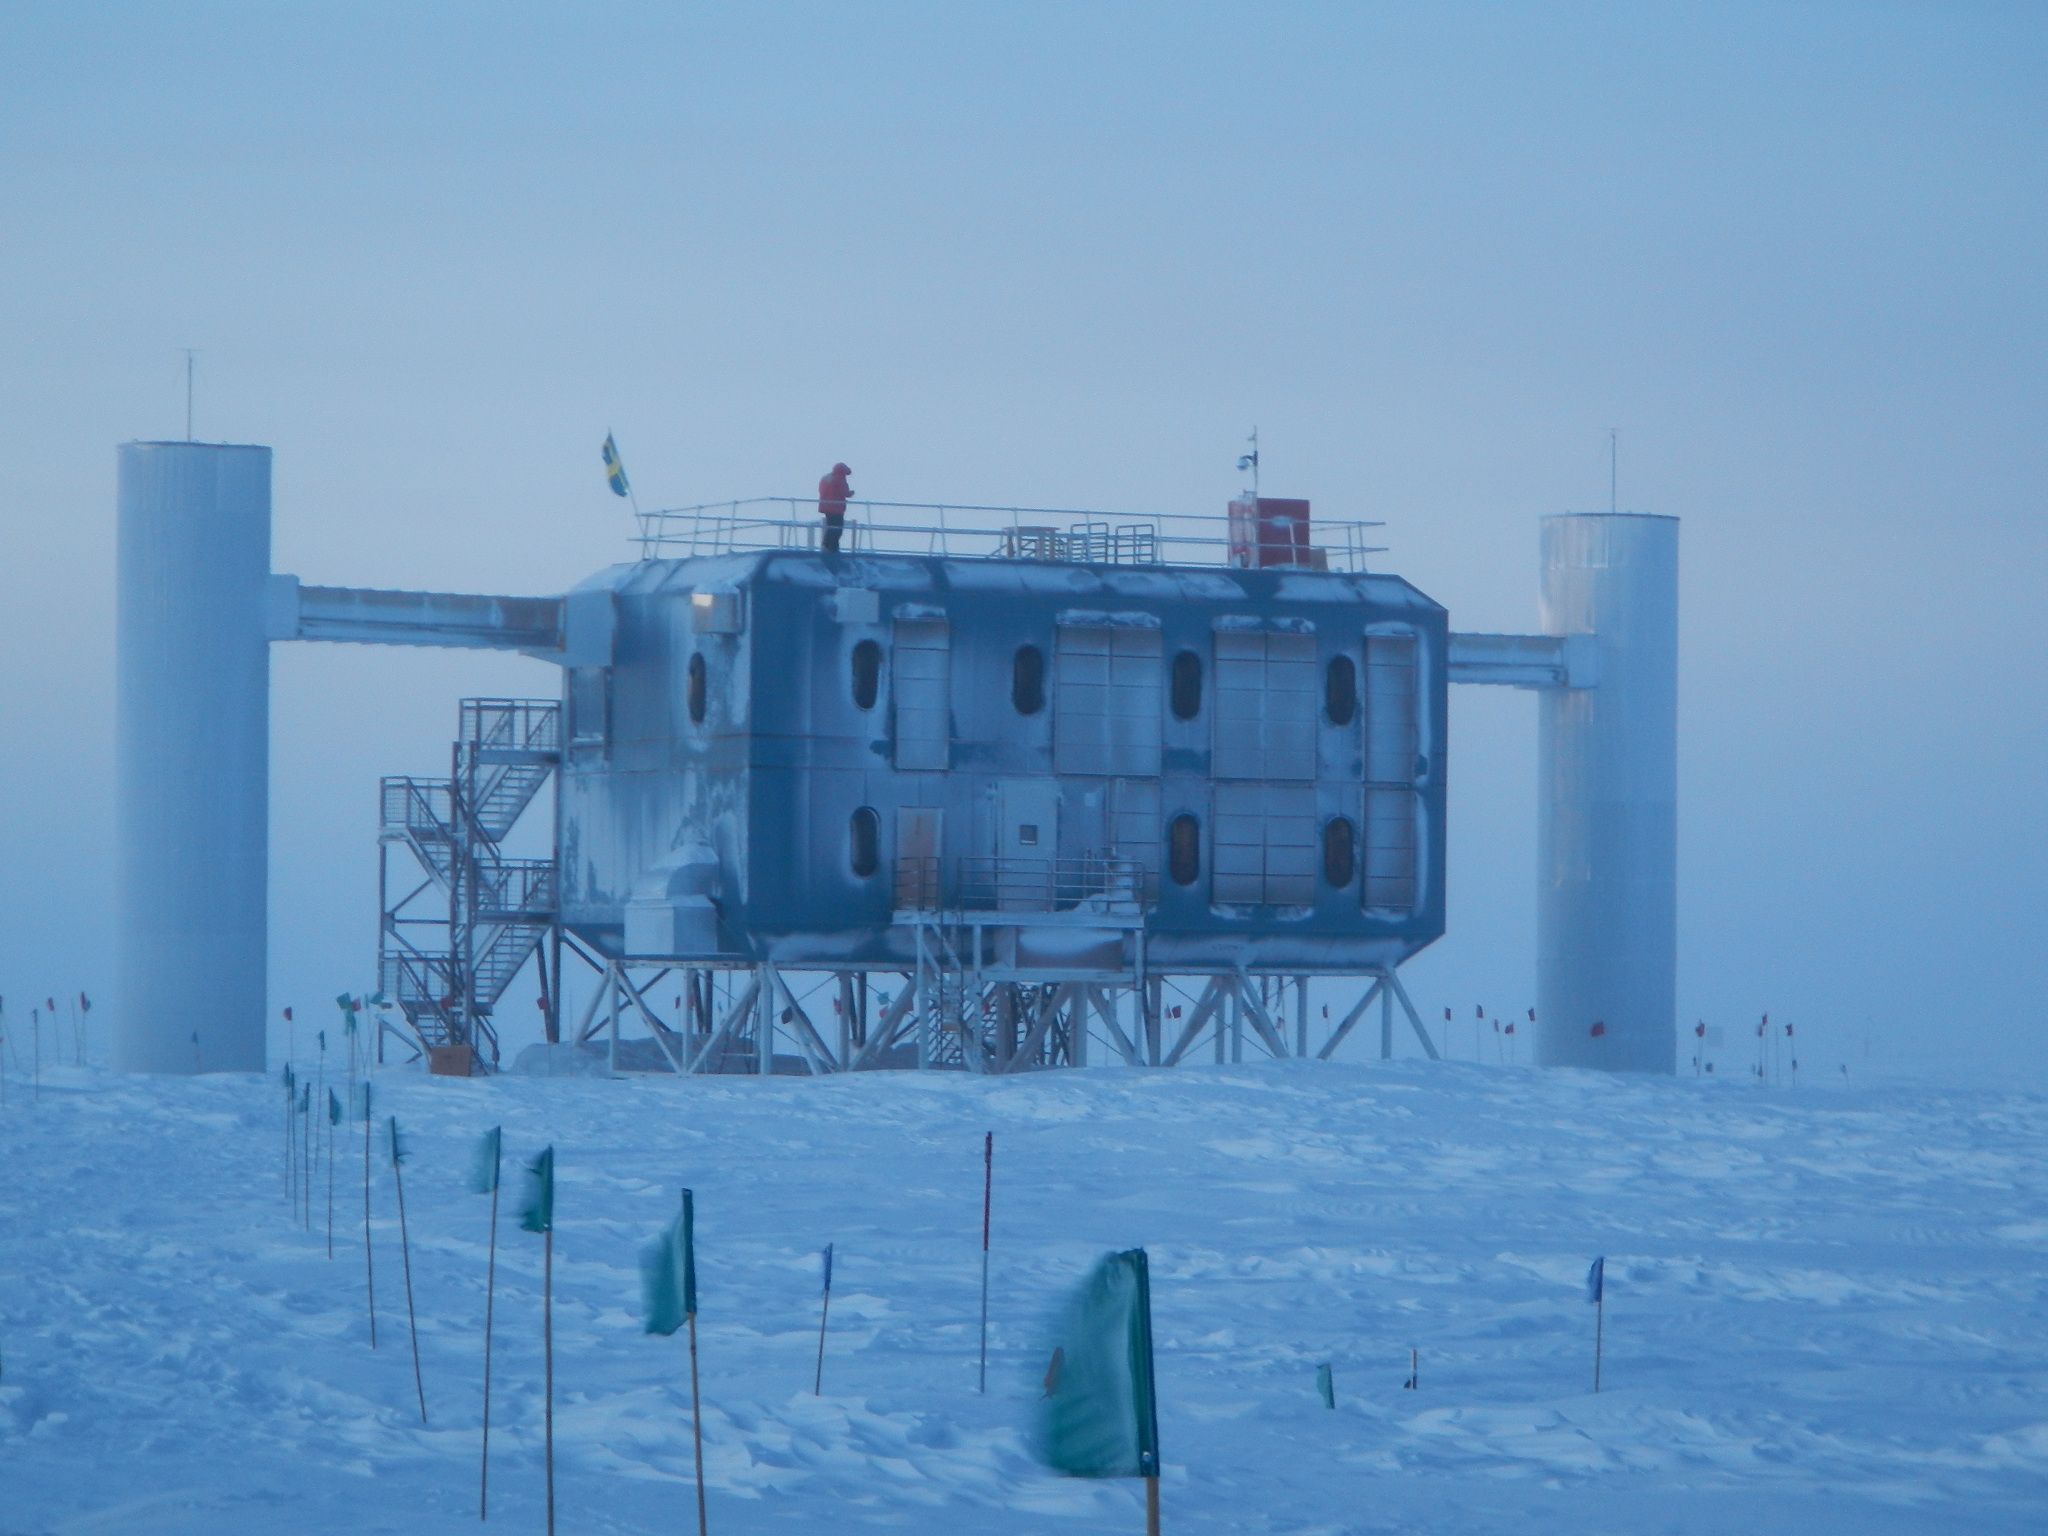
(1027, 841)
(919, 849)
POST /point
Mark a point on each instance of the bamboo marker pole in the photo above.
(547, 1334)
(824, 1311)
(1596, 1292)
(537, 1214)
(1599, 1336)
(483, 1485)
(333, 1114)
(690, 1316)
(988, 1174)
(405, 1258)
(291, 1187)
(369, 1262)
(306, 1155)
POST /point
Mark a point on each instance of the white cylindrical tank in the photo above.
(1607, 791)
(192, 757)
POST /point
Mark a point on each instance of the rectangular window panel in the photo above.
(1264, 845)
(1106, 700)
(1392, 698)
(1390, 848)
(1265, 710)
(1134, 821)
(921, 669)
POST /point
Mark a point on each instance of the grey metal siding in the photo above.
(1106, 700)
(921, 671)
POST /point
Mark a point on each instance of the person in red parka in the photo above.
(832, 493)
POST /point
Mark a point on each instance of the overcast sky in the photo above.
(1069, 255)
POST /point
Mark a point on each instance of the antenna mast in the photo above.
(188, 394)
(1613, 458)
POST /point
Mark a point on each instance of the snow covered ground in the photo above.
(1827, 1310)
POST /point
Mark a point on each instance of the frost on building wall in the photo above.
(783, 757)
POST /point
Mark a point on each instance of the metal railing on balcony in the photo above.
(514, 888)
(518, 725)
(1100, 882)
(423, 807)
(1057, 534)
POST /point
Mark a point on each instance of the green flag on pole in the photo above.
(364, 1106)
(333, 1107)
(398, 1149)
(483, 1165)
(1101, 1419)
(537, 1207)
(668, 1273)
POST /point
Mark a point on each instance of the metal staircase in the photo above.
(446, 964)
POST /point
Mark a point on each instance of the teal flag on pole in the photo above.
(537, 1208)
(1100, 1417)
(668, 1273)
(484, 1165)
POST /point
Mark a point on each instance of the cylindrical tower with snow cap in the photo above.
(1607, 789)
(192, 757)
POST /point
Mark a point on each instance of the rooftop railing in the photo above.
(1062, 535)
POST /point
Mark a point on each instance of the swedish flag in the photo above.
(614, 467)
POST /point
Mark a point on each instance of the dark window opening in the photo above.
(1340, 690)
(697, 689)
(1027, 680)
(1340, 859)
(863, 835)
(1184, 850)
(1187, 686)
(867, 673)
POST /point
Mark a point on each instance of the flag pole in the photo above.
(696, 1406)
(824, 1311)
(330, 1174)
(405, 1258)
(306, 1136)
(1148, 1406)
(369, 1262)
(483, 1484)
(1599, 1333)
(988, 1175)
(291, 1188)
(547, 1334)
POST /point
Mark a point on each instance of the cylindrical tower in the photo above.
(192, 757)
(1607, 791)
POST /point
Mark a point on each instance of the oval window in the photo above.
(1184, 850)
(1340, 690)
(697, 689)
(867, 673)
(1187, 686)
(1027, 680)
(863, 839)
(1339, 852)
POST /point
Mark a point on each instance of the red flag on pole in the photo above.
(1700, 1029)
(287, 1015)
(1599, 1029)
